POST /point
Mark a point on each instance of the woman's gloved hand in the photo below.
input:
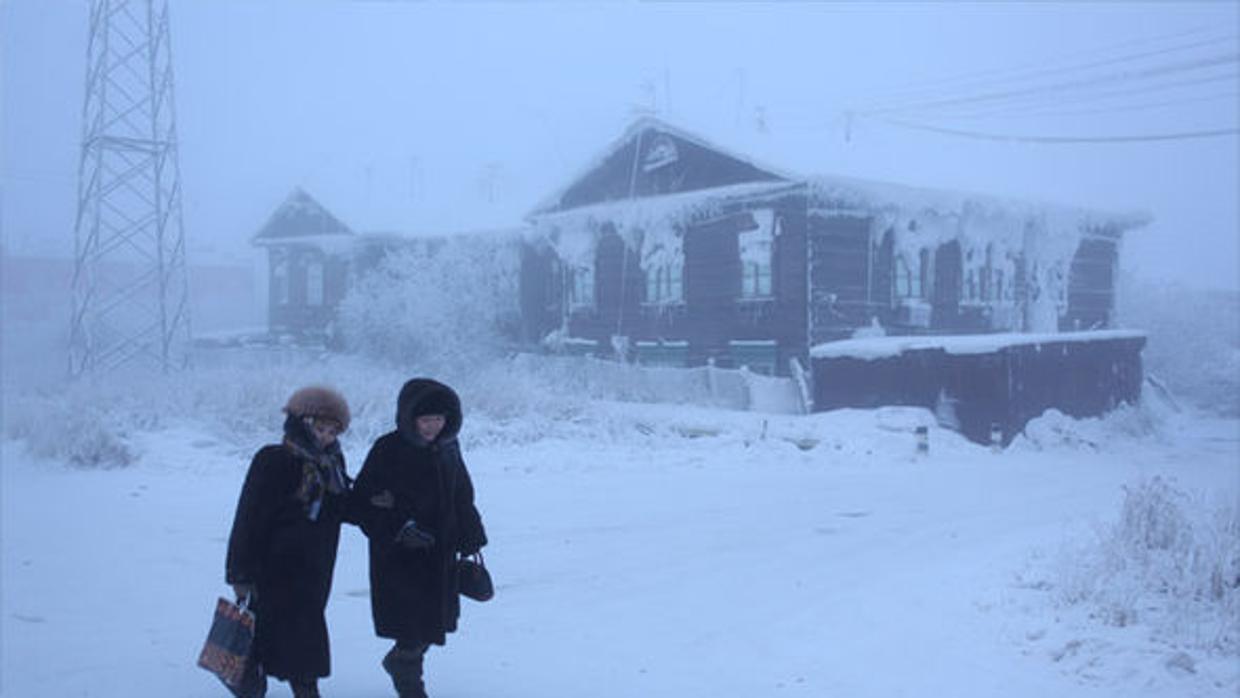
(414, 538)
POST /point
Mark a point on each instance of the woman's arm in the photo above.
(371, 503)
(473, 536)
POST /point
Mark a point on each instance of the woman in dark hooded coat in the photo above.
(282, 549)
(415, 502)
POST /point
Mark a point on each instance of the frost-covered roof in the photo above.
(870, 348)
(553, 201)
(654, 216)
(300, 216)
(878, 197)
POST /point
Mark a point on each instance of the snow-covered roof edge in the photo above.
(620, 209)
(876, 195)
(550, 202)
(870, 348)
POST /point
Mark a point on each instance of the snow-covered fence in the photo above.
(710, 386)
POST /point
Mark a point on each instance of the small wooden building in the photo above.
(307, 269)
(670, 250)
(312, 259)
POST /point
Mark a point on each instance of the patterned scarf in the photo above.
(322, 470)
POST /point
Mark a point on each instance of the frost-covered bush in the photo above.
(1171, 562)
(81, 433)
(237, 395)
(234, 395)
(451, 307)
(1194, 340)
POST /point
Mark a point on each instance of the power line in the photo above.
(1026, 106)
(1120, 77)
(1013, 74)
(1141, 106)
(1061, 140)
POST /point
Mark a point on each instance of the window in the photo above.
(663, 261)
(986, 290)
(923, 271)
(910, 275)
(971, 274)
(756, 280)
(665, 284)
(581, 290)
(756, 248)
(314, 283)
(279, 280)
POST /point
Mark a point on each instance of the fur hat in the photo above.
(435, 402)
(423, 396)
(319, 402)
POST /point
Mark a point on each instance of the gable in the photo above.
(654, 159)
(300, 216)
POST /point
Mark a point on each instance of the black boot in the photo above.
(305, 689)
(404, 665)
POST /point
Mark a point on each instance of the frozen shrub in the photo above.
(82, 434)
(450, 307)
(1170, 562)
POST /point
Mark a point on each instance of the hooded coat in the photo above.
(413, 593)
(283, 542)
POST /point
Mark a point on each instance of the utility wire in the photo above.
(1031, 105)
(1061, 140)
(1010, 75)
(1136, 107)
(1051, 89)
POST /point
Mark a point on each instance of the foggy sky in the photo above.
(413, 117)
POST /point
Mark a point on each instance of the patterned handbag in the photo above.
(229, 650)
(473, 580)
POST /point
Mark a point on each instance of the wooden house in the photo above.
(670, 250)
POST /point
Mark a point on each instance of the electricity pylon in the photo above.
(130, 285)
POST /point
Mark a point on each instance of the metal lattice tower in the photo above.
(130, 287)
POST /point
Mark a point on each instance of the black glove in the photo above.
(414, 538)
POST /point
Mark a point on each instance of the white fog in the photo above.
(804, 349)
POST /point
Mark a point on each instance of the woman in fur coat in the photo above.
(415, 502)
(282, 549)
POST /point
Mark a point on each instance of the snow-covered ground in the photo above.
(655, 550)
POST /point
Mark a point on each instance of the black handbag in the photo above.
(472, 578)
(229, 650)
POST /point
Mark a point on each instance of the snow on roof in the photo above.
(552, 202)
(333, 244)
(300, 216)
(870, 348)
(630, 217)
(879, 197)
